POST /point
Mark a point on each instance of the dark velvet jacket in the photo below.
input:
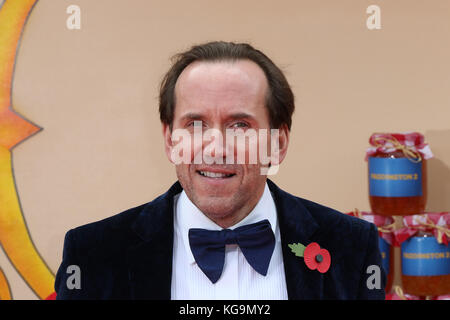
(129, 255)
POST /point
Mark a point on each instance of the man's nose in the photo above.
(215, 146)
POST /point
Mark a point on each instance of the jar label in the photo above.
(390, 177)
(385, 257)
(424, 256)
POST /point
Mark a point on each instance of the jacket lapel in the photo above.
(296, 226)
(150, 259)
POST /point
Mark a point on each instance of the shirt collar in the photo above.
(189, 216)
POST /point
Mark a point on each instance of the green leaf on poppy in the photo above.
(297, 248)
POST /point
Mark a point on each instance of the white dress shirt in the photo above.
(238, 280)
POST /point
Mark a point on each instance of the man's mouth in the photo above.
(216, 175)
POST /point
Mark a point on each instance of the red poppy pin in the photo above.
(314, 256)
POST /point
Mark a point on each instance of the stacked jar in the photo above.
(386, 240)
(397, 176)
(425, 254)
(397, 173)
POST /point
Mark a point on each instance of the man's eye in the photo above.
(196, 123)
(240, 125)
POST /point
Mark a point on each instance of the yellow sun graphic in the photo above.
(14, 236)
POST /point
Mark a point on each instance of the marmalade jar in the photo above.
(387, 261)
(397, 174)
(385, 227)
(425, 265)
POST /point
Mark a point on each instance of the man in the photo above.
(223, 231)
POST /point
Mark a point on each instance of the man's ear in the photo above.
(283, 141)
(278, 149)
(168, 144)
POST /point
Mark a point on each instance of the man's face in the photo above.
(222, 95)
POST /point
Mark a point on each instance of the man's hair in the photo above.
(279, 100)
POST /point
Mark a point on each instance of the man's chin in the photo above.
(216, 192)
(217, 207)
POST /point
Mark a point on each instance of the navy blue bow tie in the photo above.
(256, 241)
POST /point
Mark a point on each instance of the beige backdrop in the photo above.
(94, 93)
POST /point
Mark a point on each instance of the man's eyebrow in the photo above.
(192, 116)
(241, 115)
(199, 116)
